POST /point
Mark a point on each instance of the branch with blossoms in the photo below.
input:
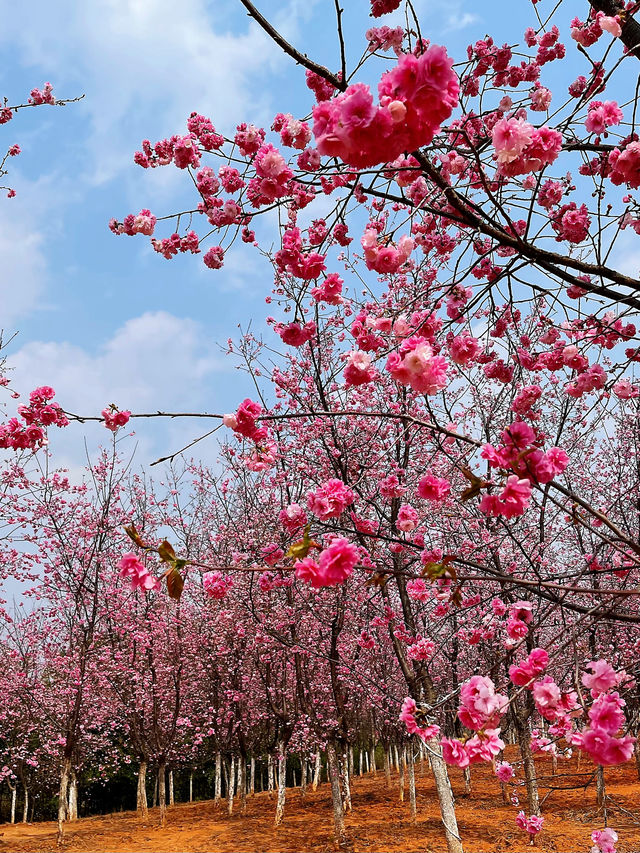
(38, 97)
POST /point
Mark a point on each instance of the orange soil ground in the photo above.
(379, 822)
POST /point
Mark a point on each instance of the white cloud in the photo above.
(23, 264)
(145, 65)
(155, 361)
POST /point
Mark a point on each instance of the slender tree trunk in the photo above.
(601, 790)
(282, 782)
(14, 795)
(367, 766)
(387, 766)
(252, 776)
(466, 775)
(191, 787)
(242, 782)
(351, 774)
(346, 782)
(396, 758)
(412, 785)
(231, 784)
(317, 771)
(73, 796)
(336, 796)
(373, 759)
(217, 790)
(445, 798)
(360, 762)
(63, 793)
(155, 793)
(141, 797)
(25, 808)
(270, 782)
(171, 794)
(529, 767)
(303, 776)
(162, 791)
(403, 762)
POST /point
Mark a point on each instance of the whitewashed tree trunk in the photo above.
(317, 771)
(72, 813)
(270, 783)
(396, 758)
(336, 796)
(242, 782)
(191, 787)
(282, 782)
(171, 794)
(360, 763)
(403, 761)
(366, 761)
(217, 789)
(445, 798)
(63, 793)
(303, 776)
(387, 766)
(231, 786)
(141, 796)
(162, 791)
(412, 785)
(252, 776)
(14, 795)
(25, 807)
(373, 760)
(346, 782)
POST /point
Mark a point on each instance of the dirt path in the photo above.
(379, 822)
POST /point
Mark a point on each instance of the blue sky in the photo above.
(105, 319)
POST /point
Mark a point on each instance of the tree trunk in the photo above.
(191, 787)
(303, 776)
(360, 762)
(403, 761)
(162, 791)
(171, 795)
(14, 795)
(531, 781)
(350, 762)
(447, 807)
(317, 771)
(282, 782)
(155, 793)
(366, 762)
(25, 808)
(336, 796)
(252, 776)
(72, 813)
(242, 782)
(270, 775)
(231, 785)
(466, 775)
(63, 793)
(601, 790)
(387, 766)
(637, 754)
(412, 786)
(396, 758)
(141, 797)
(217, 790)
(346, 782)
(373, 759)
